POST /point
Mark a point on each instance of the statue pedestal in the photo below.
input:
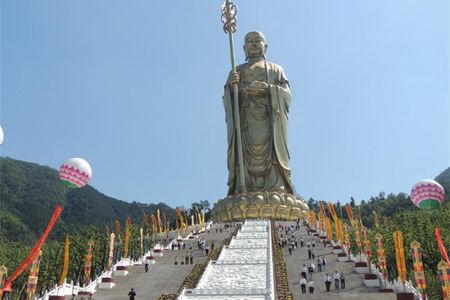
(260, 204)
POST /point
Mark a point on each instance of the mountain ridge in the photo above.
(29, 192)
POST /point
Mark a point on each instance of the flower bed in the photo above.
(279, 266)
(370, 276)
(360, 264)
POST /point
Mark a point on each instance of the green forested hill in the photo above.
(29, 192)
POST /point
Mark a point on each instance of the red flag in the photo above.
(322, 209)
(349, 212)
(441, 245)
(35, 251)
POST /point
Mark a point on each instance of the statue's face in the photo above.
(255, 45)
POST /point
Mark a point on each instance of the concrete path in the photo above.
(354, 282)
(163, 276)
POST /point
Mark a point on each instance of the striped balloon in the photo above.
(75, 173)
(427, 194)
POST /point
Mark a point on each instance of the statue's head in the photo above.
(255, 45)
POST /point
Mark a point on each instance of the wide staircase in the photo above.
(354, 282)
(164, 277)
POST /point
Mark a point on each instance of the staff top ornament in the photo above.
(75, 173)
(427, 194)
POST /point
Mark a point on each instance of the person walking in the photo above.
(311, 269)
(132, 294)
(186, 259)
(301, 243)
(342, 281)
(303, 285)
(311, 286)
(309, 253)
(319, 264)
(146, 265)
(176, 260)
(290, 250)
(327, 279)
(337, 279)
(304, 270)
(191, 258)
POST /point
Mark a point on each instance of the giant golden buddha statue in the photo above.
(263, 100)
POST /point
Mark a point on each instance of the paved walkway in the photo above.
(354, 282)
(163, 277)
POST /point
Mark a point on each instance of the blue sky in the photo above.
(135, 87)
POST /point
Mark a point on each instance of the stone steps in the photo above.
(354, 282)
(163, 276)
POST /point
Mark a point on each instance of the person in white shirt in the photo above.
(304, 270)
(342, 281)
(303, 285)
(311, 286)
(327, 279)
(337, 279)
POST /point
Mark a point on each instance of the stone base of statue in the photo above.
(257, 205)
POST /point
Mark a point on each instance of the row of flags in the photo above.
(160, 228)
(321, 222)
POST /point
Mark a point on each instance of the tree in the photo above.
(352, 202)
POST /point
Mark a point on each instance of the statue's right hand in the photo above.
(233, 78)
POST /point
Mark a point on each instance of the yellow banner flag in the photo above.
(66, 261)
(127, 237)
(111, 252)
(158, 213)
(400, 255)
(328, 229)
(118, 229)
(33, 277)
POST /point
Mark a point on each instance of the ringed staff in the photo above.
(229, 11)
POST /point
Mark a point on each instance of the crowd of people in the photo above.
(314, 263)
